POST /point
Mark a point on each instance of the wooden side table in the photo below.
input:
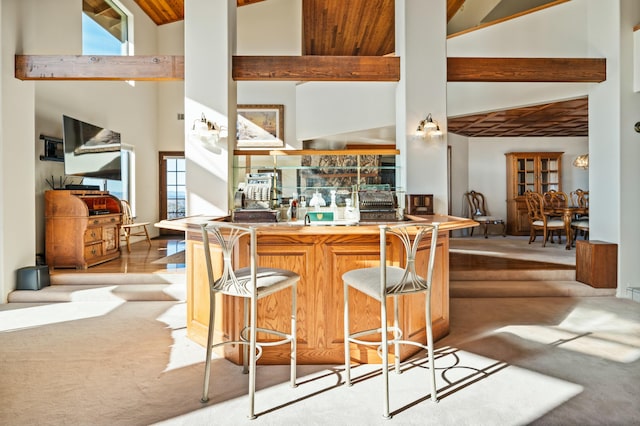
(597, 263)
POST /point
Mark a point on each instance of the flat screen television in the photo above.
(90, 150)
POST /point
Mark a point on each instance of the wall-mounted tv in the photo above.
(90, 150)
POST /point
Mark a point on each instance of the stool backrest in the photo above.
(227, 237)
(410, 235)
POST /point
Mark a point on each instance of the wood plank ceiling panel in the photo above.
(163, 11)
(565, 119)
(348, 28)
(167, 11)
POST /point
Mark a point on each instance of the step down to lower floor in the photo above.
(513, 275)
(101, 293)
(537, 288)
(115, 278)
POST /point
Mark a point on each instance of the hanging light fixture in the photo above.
(581, 161)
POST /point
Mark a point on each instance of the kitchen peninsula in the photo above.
(320, 254)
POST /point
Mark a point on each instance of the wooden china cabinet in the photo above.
(529, 171)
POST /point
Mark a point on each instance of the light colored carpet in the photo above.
(511, 361)
(514, 247)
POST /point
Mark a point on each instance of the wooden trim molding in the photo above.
(316, 68)
(99, 67)
(636, 28)
(557, 70)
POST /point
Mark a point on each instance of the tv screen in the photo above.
(90, 150)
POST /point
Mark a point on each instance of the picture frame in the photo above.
(260, 126)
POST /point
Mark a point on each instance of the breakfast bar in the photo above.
(320, 254)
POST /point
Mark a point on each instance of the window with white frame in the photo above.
(107, 28)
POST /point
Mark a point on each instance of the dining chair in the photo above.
(555, 203)
(383, 281)
(480, 213)
(580, 223)
(554, 199)
(250, 283)
(580, 198)
(539, 219)
(129, 224)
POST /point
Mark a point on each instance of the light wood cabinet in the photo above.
(82, 228)
(529, 171)
(320, 256)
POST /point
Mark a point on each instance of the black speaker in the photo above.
(33, 277)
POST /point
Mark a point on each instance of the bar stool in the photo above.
(385, 281)
(251, 283)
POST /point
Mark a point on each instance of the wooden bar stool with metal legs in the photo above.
(251, 283)
(385, 281)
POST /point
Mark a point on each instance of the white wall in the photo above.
(459, 146)
(558, 31)
(17, 174)
(629, 267)
(330, 108)
(488, 173)
(170, 93)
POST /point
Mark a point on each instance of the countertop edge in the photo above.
(192, 223)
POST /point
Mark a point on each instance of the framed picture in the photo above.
(260, 126)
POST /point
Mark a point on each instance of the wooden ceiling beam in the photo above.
(98, 67)
(316, 68)
(307, 68)
(556, 70)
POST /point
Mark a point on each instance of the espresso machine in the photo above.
(255, 198)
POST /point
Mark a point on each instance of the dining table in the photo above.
(568, 214)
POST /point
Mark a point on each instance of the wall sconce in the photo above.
(428, 128)
(581, 161)
(205, 131)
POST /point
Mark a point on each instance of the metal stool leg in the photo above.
(347, 353)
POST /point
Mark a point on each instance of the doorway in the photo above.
(172, 188)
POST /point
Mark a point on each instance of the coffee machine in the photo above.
(255, 198)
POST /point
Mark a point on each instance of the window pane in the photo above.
(104, 28)
(176, 191)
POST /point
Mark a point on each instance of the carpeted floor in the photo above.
(514, 247)
(509, 361)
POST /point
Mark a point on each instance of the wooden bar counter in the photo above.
(320, 254)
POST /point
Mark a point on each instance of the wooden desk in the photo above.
(320, 254)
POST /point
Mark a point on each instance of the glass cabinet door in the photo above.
(549, 174)
(526, 175)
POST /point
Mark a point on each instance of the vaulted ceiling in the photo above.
(328, 30)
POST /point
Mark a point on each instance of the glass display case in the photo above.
(307, 173)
